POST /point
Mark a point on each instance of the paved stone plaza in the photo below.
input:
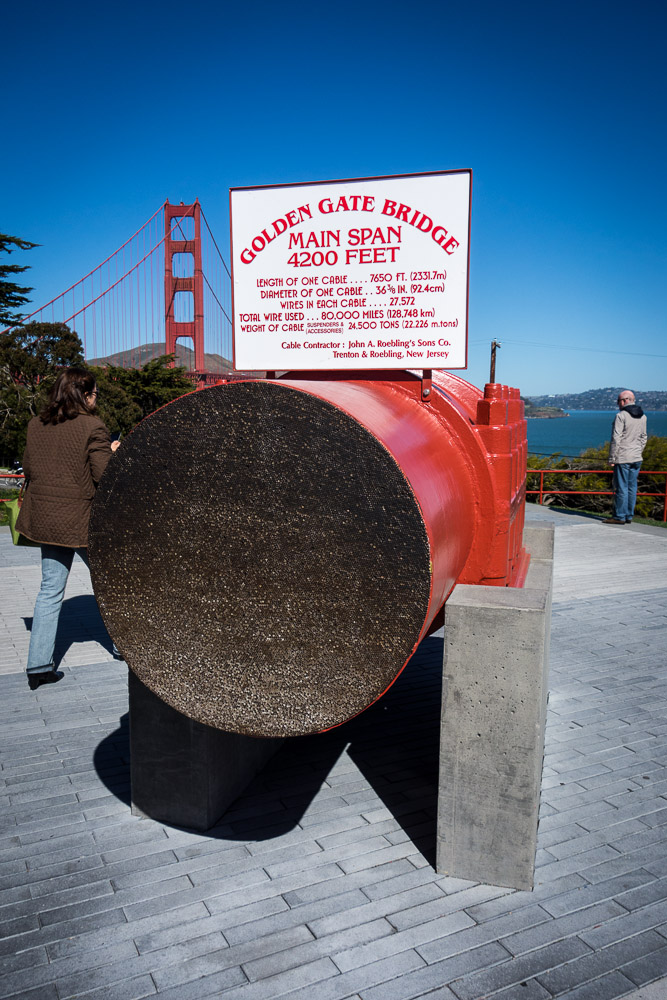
(318, 884)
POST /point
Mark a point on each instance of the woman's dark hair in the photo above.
(68, 396)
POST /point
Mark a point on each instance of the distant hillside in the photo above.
(602, 399)
(544, 412)
(138, 356)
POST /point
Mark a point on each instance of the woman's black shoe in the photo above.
(35, 678)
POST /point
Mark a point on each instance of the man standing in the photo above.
(628, 438)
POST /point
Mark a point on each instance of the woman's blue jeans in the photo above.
(625, 489)
(56, 564)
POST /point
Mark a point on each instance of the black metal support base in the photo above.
(182, 772)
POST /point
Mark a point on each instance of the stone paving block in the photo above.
(345, 825)
(657, 818)
(642, 810)
(476, 935)
(38, 804)
(585, 862)
(355, 858)
(127, 989)
(214, 867)
(615, 792)
(644, 918)
(30, 959)
(511, 972)
(561, 927)
(631, 792)
(627, 862)
(596, 964)
(249, 885)
(92, 892)
(183, 919)
(62, 969)
(420, 833)
(608, 987)
(13, 895)
(424, 980)
(406, 940)
(281, 917)
(648, 968)
(361, 910)
(361, 862)
(47, 992)
(580, 840)
(445, 905)
(365, 880)
(530, 990)
(126, 898)
(346, 985)
(651, 892)
(315, 883)
(356, 834)
(406, 878)
(513, 901)
(87, 864)
(17, 937)
(330, 945)
(72, 838)
(185, 961)
(657, 867)
(13, 926)
(161, 863)
(162, 935)
(584, 815)
(273, 986)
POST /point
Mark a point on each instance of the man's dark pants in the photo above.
(625, 489)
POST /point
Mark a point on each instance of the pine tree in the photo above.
(12, 295)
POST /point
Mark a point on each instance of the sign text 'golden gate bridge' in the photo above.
(168, 283)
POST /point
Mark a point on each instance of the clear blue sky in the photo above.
(558, 107)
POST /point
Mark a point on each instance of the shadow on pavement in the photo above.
(392, 755)
(80, 621)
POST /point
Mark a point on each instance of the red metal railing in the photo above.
(541, 492)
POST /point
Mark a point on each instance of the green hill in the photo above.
(601, 399)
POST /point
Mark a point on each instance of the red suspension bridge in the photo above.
(167, 289)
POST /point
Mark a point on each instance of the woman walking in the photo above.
(67, 451)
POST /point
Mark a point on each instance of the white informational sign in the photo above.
(369, 273)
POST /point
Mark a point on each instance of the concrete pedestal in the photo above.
(493, 721)
(183, 772)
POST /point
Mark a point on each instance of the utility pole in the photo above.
(494, 345)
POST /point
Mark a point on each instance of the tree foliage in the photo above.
(557, 483)
(31, 357)
(149, 387)
(12, 295)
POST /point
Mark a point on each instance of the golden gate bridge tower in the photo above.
(178, 246)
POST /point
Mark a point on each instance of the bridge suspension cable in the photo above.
(118, 308)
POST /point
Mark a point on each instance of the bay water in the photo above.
(581, 429)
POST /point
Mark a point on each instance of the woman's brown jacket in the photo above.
(63, 463)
